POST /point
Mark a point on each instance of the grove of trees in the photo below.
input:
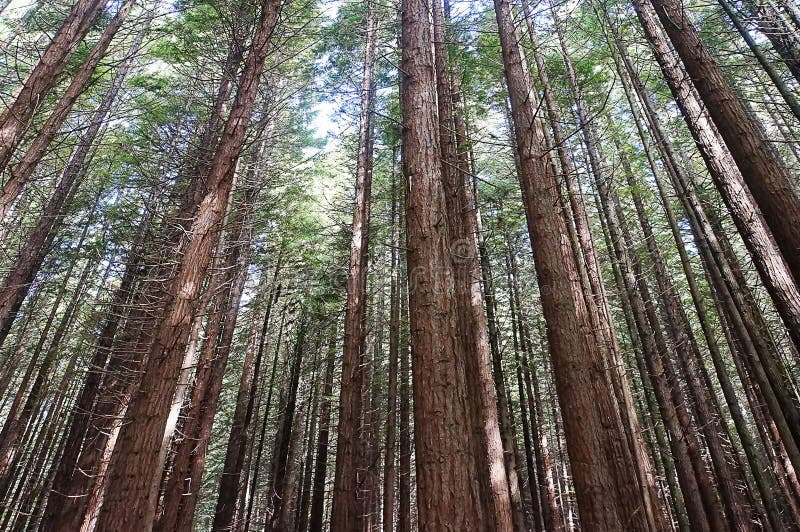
(435, 265)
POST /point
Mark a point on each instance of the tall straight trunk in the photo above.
(283, 439)
(321, 460)
(389, 472)
(757, 239)
(404, 523)
(630, 420)
(609, 492)
(125, 349)
(304, 499)
(774, 190)
(40, 81)
(288, 502)
(22, 171)
(372, 420)
(253, 487)
(502, 501)
(130, 500)
(685, 344)
(347, 509)
(182, 488)
(703, 505)
(644, 344)
(448, 477)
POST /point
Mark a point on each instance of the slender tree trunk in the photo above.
(22, 171)
(551, 513)
(28, 396)
(785, 92)
(603, 321)
(347, 510)
(29, 260)
(780, 34)
(37, 85)
(281, 457)
(754, 235)
(765, 483)
(321, 460)
(180, 498)
(404, 390)
(389, 472)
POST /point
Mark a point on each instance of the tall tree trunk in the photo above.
(764, 481)
(389, 472)
(772, 24)
(29, 395)
(26, 266)
(448, 480)
(603, 322)
(774, 190)
(551, 513)
(347, 510)
(502, 501)
(129, 500)
(180, 498)
(404, 390)
(607, 485)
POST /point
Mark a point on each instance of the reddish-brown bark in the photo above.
(22, 106)
(607, 486)
(130, 500)
(347, 509)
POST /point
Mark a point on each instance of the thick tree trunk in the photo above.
(129, 500)
(501, 499)
(607, 485)
(448, 480)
